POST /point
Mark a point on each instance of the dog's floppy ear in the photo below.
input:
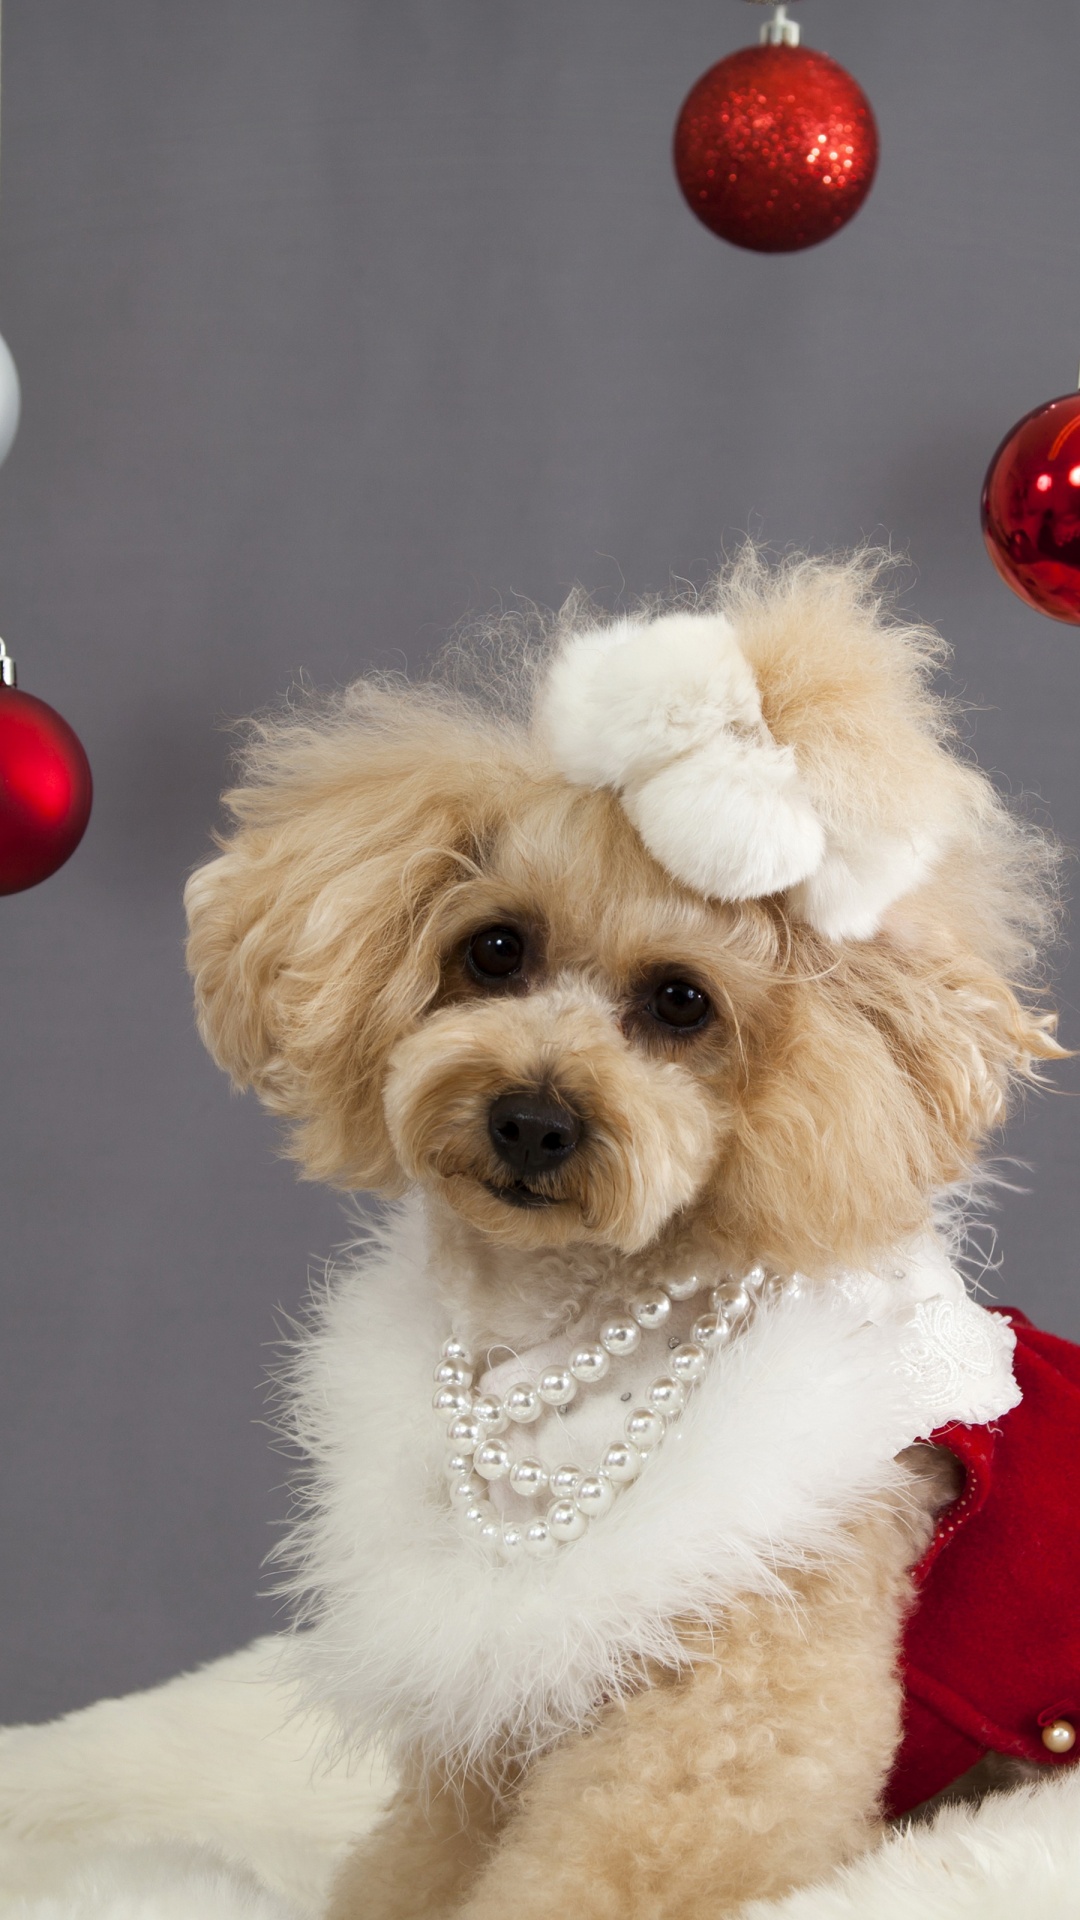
(306, 934)
(896, 1059)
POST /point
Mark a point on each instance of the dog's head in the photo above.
(722, 931)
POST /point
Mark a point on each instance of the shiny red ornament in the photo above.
(45, 790)
(776, 148)
(1031, 509)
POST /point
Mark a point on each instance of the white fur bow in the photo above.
(669, 714)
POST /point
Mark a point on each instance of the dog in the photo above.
(665, 981)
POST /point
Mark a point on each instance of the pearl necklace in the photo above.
(478, 1455)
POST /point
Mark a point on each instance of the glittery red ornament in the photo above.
(776, 148)
(1031, 509)
(45, 790)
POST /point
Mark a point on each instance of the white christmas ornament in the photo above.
(10, 400)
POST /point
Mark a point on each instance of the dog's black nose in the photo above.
(532, 1132)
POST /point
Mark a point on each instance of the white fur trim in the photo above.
(417, 1637)
(1015, 1857)
(669, 714)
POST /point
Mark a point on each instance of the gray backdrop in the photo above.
(337, 319)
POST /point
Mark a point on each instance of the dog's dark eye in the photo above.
(495, 953)
(678, 1004)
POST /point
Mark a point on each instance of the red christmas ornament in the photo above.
(45, 786)
(776, 147)
(1031, 509)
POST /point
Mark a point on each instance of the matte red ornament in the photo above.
(1031, 509)
(45, 790)
(776, 148)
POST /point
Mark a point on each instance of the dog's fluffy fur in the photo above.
(867, 1028)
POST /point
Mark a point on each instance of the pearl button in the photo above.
(1059, 1736)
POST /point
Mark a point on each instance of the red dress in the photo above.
(991, 1654)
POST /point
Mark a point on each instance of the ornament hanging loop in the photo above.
(7, 667)
(780, 31)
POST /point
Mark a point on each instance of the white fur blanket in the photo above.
(201, 1800)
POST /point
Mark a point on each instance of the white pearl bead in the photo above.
(651, 1310)
(491, 1413)
(688, 1363)
(622, 1463)
(755, 1278)
(620, 1336)
(538, 1541)
(644, 1428)
(711, 1332)
(466, 1433)
(457, 1352)
(1059, 1736)
(450, 1401)
(491, 1534)
(524, 1405)
(589, 1364)
(492, 1459)
(564, 1482)
(565, 1521)
(513, 1540)
(683, 1289)
(466, 1492)
(595, 1495)
(477, 1515)
(528, 1478)
(732, 1302)
(457, 1465)
(667, 1396)
(448, 1374)
(557, 1387)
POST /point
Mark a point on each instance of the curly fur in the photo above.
(870, 1019)
(693, 1796)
